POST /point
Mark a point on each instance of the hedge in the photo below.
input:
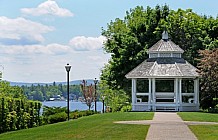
(16, 114)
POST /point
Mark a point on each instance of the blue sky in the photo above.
(39, 37)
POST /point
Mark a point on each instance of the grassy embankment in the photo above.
(203, 132)
(94, 127)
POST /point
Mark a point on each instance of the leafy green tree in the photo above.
(114, 99)
(208, 68)
(10, 91)
(129, 39)
(37, 95)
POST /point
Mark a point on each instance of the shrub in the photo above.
(47, 111)
(74, 115)
(50, 112)
(126, 108)
(58, 117)
(213, 110)
(77, 114)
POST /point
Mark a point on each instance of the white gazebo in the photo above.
(165, 81)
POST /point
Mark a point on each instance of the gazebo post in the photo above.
(133, 94)
(180, 94)
(149, 97)
(176, 91)
(197, 84)
(153, 94)
(196, 91)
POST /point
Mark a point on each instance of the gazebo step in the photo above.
(165, 108)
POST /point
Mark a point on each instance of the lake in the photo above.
(73, 105)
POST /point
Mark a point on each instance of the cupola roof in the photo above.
(165, 45)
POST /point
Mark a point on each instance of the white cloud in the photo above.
(82, 43)
(50, 49)
(49, 7)
(28, 66)
(21, 31)
(45, 63)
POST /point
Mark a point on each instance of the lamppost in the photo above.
(103, 97)
(95, 81)
(67, 67)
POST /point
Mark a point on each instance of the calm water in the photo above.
(73, 105)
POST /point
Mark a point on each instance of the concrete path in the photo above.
(169, 126)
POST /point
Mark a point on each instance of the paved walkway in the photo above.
(168, 126)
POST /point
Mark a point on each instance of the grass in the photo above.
(202, 132)
(198, 116)
(205, 132)
(94, 127)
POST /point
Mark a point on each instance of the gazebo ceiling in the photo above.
(163, 67)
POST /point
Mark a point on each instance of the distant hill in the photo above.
(75, 82)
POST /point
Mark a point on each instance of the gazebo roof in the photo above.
(165, 45)
(167, 67)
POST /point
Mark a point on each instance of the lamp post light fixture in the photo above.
(95, 81)
(67, 67)
(103, 97)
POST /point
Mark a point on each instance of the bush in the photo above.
(47, 111)
(126, 108)
(58, 117)
(77, 114)
(213, 110)
(51, 112)
(59, 114)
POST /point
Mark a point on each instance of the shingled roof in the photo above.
(168, 67)
(164, 67)
(165, 46)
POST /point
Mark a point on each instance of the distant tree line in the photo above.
(45, 92)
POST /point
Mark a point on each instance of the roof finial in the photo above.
(165, 34)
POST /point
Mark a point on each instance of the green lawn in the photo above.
(198, 116)
(94, 127)
(202, 132)
(205, 132)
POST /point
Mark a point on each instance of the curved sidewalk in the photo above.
(169, 126)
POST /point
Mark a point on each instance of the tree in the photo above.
(208, 69)
(129, 39)
(114, 99)
(10, 91)
(88, 93)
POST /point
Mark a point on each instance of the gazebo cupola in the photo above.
(165, 48)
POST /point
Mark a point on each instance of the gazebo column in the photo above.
(196, 92)
(180, 95)
(176, 92)
(153, 94)
(149, 97)
(133, 94)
